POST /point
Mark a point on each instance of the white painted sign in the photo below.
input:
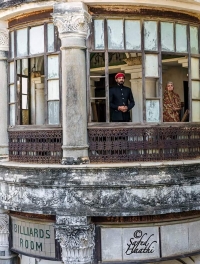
(35, 238)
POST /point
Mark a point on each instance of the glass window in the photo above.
(181, 38)
(34, 91)
(150, 35)
(152, 110)
(37, 40)
(53, 70)
(194, 46)
(50, 36)
(164, 58)
(99, 33)
(53, 112)
(151, 65)
(22, 42)
(133, 34)
(115, 34)
(12, 44)
(167, 36)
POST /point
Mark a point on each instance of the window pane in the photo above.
(24, 85)
(12, 114)
(22, 42)
(181, 38)
(151, 87)
(152, 110)
(11, 72)
(12, 93)
(37, 40)
(53, 112)
(115, 34)
(133, 34)
(53, 90)
(150, 35)
(194, 40)
(24, 102)
(151, 65)
(167, 36)
(195, 68)
(99, 34)
(53, 69)
(25, 67)
(50, 35)
(196, 90)
(196, 111)
(12, 44)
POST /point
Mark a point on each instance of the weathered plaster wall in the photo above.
(101, 191)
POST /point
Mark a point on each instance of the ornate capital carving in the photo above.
(4, 224)
(71, 220)
(4, 230)
(76, 22)
(77, 243)
(4, 45)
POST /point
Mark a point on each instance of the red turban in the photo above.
(119, 74)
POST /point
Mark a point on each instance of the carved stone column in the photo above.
(76, 237)
(6, 257)
(3, 87)
(72, 20)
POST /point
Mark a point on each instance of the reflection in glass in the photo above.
(22, 42)
(53, 70)
(98, 110)
(195, 90)
(133, 34)
(37, 40)
(150, 35)
(196, 111)
(53, 112)
(50, 37)
(11, 72)
(25, 67)
(195, 68)
(151, 65)
(194, 40)
(152, 110)
(24, 85)
(181, 38)
(12, 115)
(53, 90)
(167, 36)
(115, 34)
(99, 33)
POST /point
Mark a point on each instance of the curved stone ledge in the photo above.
(100, 191)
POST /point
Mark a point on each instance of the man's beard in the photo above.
(121, 83)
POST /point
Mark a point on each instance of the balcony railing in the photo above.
(155, 143)
(35, 146)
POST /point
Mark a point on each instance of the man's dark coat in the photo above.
(120, 95)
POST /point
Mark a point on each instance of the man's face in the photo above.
(120, 80)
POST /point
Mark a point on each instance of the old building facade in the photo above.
(74, 186)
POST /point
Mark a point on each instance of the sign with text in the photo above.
(35, 238)
(124, 244)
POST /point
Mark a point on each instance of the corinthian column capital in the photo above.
(76, 241)
(72, 19)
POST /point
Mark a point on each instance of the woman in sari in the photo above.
(171, 104)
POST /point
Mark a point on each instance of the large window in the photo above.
(34, 88)
(150, 53)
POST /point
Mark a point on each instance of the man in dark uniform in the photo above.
(121, 100)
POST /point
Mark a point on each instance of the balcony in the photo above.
(129, 143)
